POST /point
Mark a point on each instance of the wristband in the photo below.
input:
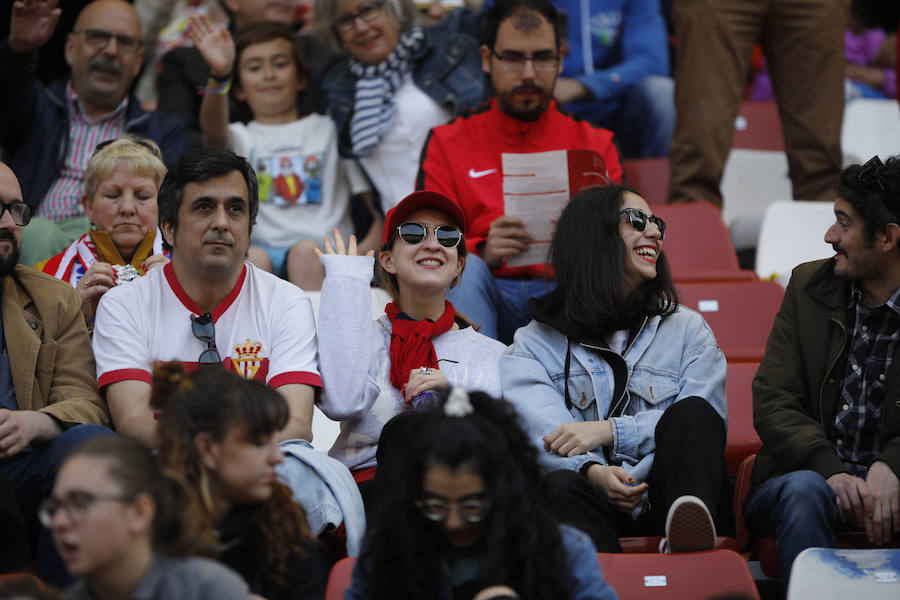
(215, 87)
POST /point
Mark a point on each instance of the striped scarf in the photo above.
(373, 109)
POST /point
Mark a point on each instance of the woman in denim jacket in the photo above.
(397, 82)
(623, 388)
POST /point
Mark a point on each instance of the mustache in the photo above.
(837, 248)
(213, 238)
(105, 63)
(528, 86)
(6, 234)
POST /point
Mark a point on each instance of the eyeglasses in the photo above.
(98, 39)
(139, 141)
(869, 173)
(639, 218)
(18, 210)
(76, 505)
(367, 12)
(472, 510)
(413, 233)
(204, 330)
(515, 61)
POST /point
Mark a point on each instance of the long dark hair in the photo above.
(212, 400)
(522, 544)
(588, 257)
(178, 528)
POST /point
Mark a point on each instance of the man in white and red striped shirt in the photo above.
(50, 132)
(207, 306)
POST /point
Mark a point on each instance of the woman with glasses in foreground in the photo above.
(217, 433)
(463, 516)
(127, 530)
(623, 388)
(373, 370)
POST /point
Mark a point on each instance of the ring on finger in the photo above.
(424, 371)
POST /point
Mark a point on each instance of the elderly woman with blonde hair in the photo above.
(120, 188)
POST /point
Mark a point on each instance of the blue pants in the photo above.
(498, 305)
(642, 119)
(31, 474)
(799, 509)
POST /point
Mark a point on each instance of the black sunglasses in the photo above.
(447, 236)
(140, 142)
(870, 173)
(18, 210)
(204, 330)
(639, 218)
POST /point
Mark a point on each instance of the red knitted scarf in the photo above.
(411, 345)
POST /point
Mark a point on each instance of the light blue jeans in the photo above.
(498, 305)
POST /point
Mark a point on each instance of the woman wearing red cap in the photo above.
(373, 370)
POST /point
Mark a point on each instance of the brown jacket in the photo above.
(797, 388)
(49, 349)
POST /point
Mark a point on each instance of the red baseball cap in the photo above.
(422, 199)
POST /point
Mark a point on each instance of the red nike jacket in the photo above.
(462, 160)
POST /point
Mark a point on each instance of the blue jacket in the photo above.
(34, 125)
(447, 68)
(669, 358)
(581, 556)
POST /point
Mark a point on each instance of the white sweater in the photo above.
(354, 360)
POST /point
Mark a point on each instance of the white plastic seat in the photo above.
(792, 233)
(870, 127)
(752, 180)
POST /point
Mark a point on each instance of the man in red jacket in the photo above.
(463, 160)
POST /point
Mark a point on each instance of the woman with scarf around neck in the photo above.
(396, 83)
(622, 388)
(373, 370)
(120, 187)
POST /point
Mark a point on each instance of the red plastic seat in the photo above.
(743, 440)
(740, 314)
(649, 544)
(649, 177)
(758, 127)
(677, 576)
(339, 579)
(698, 245)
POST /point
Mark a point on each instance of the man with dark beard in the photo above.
(463, 160)
(50, 132)
(826, 398)
(48, 391)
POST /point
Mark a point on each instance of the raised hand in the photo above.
(32, 23)
(215, 45)
(338, 247)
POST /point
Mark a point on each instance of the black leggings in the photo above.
(689, 459)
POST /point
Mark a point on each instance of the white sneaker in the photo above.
(689, 527)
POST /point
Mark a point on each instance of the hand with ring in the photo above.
(96, 281)
(423, 379)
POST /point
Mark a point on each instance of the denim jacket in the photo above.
(447, 67)
(669, 358)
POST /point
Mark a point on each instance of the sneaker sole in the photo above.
(691, 529)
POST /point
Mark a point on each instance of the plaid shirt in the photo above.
(856, 431)
(63, 199)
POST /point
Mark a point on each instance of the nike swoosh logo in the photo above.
(476, 174)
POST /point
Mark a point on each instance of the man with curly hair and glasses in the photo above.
(826, 398)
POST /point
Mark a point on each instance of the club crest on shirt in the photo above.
(246, 361)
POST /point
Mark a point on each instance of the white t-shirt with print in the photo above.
(304, 185)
